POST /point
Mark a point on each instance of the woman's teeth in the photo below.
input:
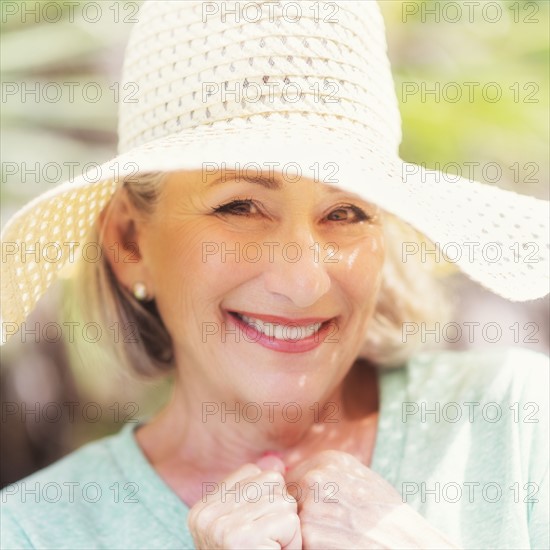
(281, 332)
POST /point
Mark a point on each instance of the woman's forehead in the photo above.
(273, 180)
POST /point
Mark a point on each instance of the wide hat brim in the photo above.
(498, 238)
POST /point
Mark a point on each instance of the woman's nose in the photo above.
(298, 272)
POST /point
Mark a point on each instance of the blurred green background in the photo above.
(501, 48)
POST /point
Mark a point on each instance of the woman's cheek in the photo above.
(190, 243)
(362, 265)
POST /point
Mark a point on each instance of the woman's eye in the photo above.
(348, 214)
(247, 207)
(238, 208)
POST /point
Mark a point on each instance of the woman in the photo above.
(276, 292)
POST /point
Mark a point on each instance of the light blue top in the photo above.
(482, 478)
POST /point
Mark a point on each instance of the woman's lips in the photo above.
(283, 320)
(283, 334)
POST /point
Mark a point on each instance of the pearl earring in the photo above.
(140, 291)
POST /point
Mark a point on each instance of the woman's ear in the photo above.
(120, 225)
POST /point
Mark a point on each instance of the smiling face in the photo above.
(266, 287)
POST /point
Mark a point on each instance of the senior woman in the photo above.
(256, 246)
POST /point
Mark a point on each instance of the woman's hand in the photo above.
(344, 504)
(258, 516)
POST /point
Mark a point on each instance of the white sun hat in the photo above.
(298, 88)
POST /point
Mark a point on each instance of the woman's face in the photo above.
(266, 287)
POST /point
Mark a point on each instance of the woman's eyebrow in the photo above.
(267, 182)
(271, 183)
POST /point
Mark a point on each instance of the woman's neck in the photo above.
(188, 447)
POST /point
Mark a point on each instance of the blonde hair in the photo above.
(409, 292)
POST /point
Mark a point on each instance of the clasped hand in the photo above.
(330, 500)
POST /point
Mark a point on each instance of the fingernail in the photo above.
(272, 453)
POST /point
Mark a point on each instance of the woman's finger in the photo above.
(283, 529)
(245, 471)
(271, 462)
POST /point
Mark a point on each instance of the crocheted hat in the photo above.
(302, 88)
